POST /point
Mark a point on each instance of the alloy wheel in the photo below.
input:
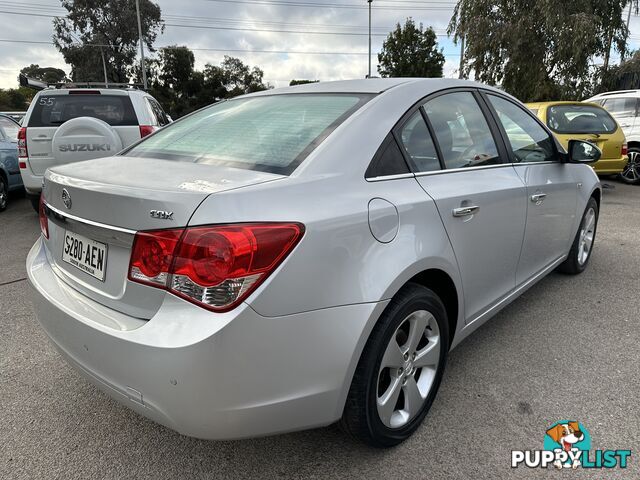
(408, 369)
(587, 232)
(631, 172)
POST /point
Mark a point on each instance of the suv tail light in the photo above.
(146, 130)
(22, 143)
(624, 150)
(44, 221)
(215, 267)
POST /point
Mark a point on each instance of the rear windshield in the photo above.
(54, 110)
(272, 133)
(580, 119)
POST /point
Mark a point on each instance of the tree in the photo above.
(44, 74)
(410, 51)
(97, 29)
(538, 49)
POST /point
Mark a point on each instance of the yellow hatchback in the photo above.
(590, 122)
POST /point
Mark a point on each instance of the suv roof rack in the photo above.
(137, 86)
(38, 85)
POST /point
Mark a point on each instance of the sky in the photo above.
(334, 30)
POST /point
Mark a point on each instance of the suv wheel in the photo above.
(4, 193)
(400, 369)
(631, 173)
(582, 246)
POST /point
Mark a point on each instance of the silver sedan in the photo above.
(306, 255)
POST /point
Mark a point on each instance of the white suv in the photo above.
(68, 125)
(624, 105)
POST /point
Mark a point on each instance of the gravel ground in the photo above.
(568, 348)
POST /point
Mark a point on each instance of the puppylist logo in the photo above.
(567, 444)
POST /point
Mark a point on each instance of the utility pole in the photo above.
(627, 39)
(144, 71)
(460, 71)
(104, 68)
(369, 2)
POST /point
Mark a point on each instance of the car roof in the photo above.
(103, 91)
(618, 93)
(560, 102)
(372, 86)
(12, 119)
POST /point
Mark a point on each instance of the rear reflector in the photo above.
(624, 150)
(22, 144)
(44, 221)
(146, 130)
(215, 267)
(22, 165)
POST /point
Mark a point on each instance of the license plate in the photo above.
(85, 254)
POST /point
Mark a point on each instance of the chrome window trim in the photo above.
(390, 177)
(68, 216)
(464, 169)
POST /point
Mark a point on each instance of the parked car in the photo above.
(9, 171)
(17, 116)
(66, 125)
(623, 105)
(301, 256)
(589, 122)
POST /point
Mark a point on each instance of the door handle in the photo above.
(41, 139)
(465, 211)
(538, 198)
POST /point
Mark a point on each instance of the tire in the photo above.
(578, 260)
(35, 202)
(631, 173)
(4, 193)
(415, 309)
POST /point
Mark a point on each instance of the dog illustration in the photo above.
(566, 435)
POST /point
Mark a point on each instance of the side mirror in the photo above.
(583, 152)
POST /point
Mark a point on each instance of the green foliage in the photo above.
(15, 99)
(44, 74)
(621, 77)
(301, 82)
(111, 23)
(538, 49)
(410, 51)
(181, 89)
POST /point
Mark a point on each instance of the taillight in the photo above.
(146, 130)
(44, 221)
(215, 267)
(22, 143)
(624, 150)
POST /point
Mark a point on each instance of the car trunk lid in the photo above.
(97, 206)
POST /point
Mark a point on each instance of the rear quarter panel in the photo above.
(338, 261)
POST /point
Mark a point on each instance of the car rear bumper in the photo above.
(215, 376)
(32, 182)
(610, 166)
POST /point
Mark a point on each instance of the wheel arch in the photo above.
(597, 196)
(442, 285)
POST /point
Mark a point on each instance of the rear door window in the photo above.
(54, 110)
(462, 131)
(621, 107)
(10, 128)
(417, 142)
(157, 112)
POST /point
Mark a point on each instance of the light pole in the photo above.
(369, 2)
(144, 72)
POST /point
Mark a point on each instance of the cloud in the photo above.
(279, 68)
